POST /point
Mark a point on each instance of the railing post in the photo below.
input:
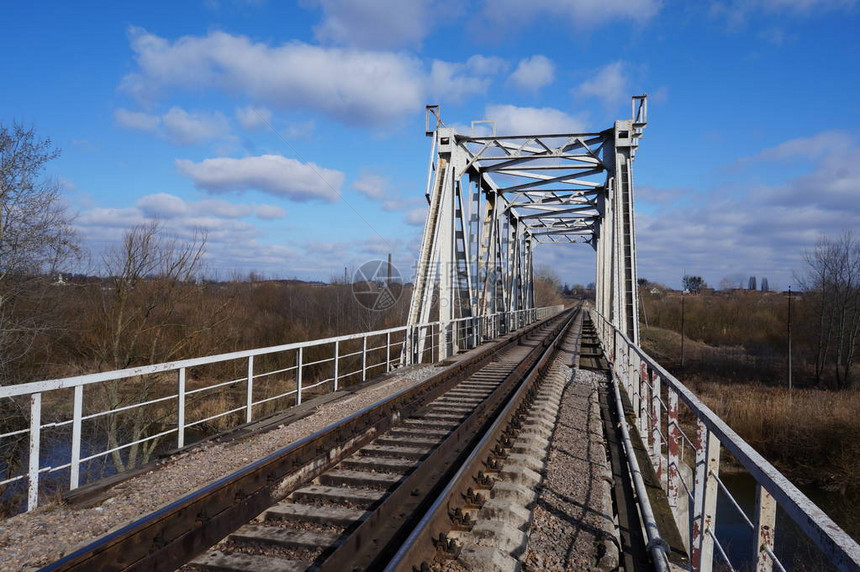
(35, 435)
(644, 401)
(336, 355)
(387, 352)
(765, 521)
(673, 449)
(614, 344)
(77, 413)
(180, 410)
(363, 358)
(633, 382)
(299, 377)
(704, 498)
(249, 404)
(656, 423)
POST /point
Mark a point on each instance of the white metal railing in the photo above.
(317, 365)
(655, 396)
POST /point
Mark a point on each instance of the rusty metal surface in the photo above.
(842, 550)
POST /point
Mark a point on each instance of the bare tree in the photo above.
(547, 287)
(833, 280)
(36, 238)
(137, 322)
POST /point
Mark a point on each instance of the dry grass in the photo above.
(813, 436)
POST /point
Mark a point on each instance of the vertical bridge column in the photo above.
(477, 256)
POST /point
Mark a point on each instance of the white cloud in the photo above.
(109, 218)
(415, 217)
(162, 205)
(253, 116)
(579, 14)
(273, 174)
(380, 23)
(610, 84)
(486, 65)
(533, 73)
(66, 184)
(220, 208)
(806, 5)
(301, 130)
(184, 128)
(177, 126)
(270, 212)
(165, 206)
(764, 232)
(352, 85)
(813, 147)
(372, 186)
(231, 245)
(737, 12)
(456, 81)
(137, 120)
(378, 188)
(511, 119)
(355, 86)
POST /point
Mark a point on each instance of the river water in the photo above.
(791, 546)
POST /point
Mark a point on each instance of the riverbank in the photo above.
(812, 436)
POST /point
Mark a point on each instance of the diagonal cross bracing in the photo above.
(494, 198)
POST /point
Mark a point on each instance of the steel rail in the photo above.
(172, 535)
(380, 536)
(419, 546)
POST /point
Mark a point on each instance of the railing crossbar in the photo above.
(733, 501)
(839, 547)
(722, 552)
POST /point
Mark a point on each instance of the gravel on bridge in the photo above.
(31, 540)
(573, 526)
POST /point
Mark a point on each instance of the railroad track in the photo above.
(347, 497)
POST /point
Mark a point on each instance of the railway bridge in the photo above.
(484, 434)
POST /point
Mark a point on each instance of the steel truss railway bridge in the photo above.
(492, 200)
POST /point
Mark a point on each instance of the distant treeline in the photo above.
(747, 332)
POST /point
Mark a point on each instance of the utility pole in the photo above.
(388, 278)
(683, 297)
(789, 338)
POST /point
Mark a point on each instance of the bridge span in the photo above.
(457, 468)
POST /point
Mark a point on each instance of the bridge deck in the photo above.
(33, 539)
(572, 524)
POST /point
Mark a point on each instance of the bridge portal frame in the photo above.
(493, 199)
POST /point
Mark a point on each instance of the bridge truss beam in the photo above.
(493, 199)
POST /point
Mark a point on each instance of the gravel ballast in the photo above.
(573, 526)
(32, 540)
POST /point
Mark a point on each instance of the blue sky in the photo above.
(293, 133)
